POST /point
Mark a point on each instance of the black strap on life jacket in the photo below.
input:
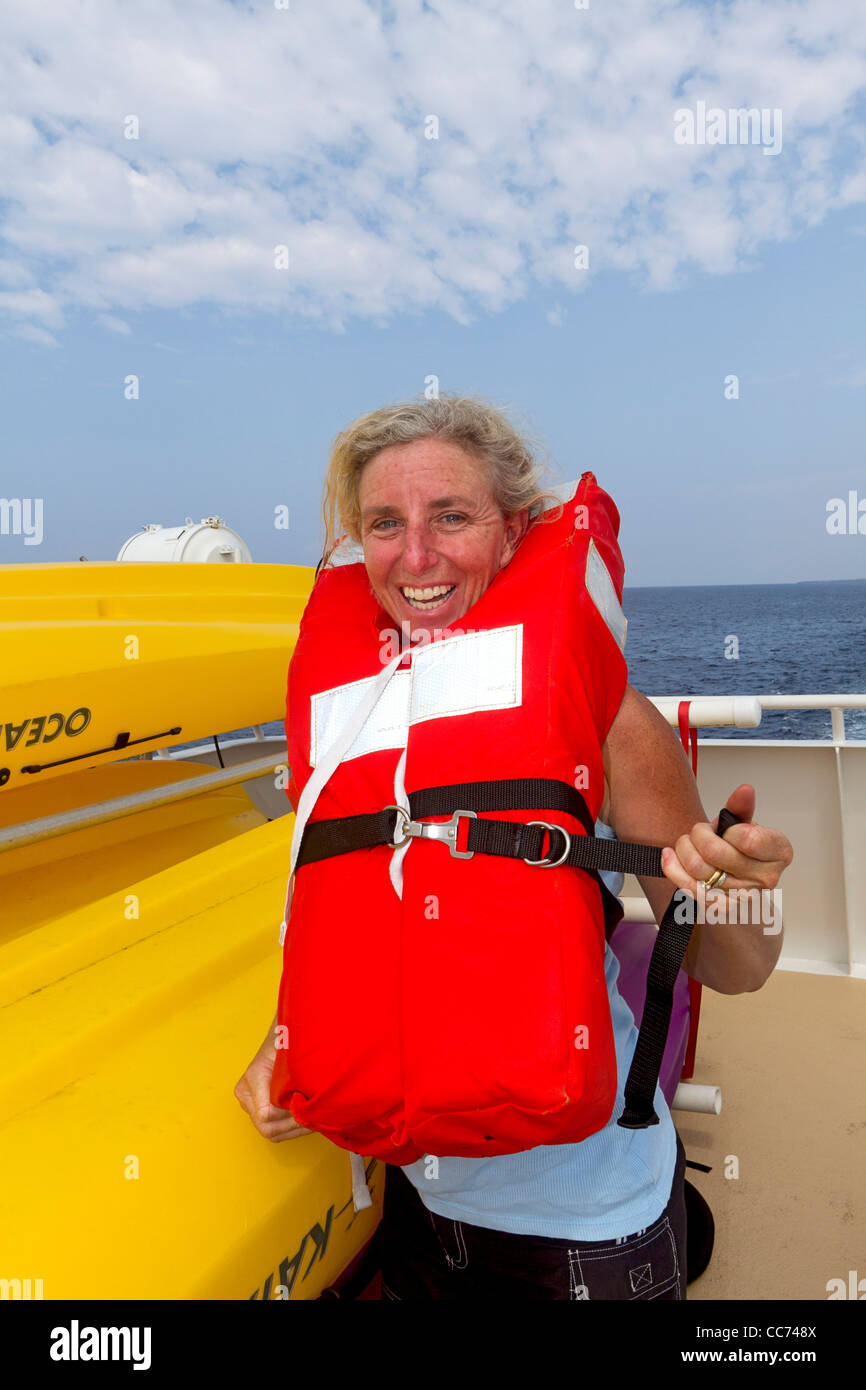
(519, 840)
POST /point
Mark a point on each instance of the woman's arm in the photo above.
(651, 796)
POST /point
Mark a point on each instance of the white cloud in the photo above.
(32, 304)
(32, 333)
(113, 324)
(306, 127)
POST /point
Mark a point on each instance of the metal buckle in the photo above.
(550, 863)
(446, 831)
(395, 844)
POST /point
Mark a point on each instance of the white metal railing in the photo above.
(83, 817)
(744, 711)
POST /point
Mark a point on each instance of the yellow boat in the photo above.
(104, 660)
(139, 956)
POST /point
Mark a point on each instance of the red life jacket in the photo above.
(433, 1003)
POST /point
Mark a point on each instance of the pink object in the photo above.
(632, 944)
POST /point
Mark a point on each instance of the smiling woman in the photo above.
(439, 494)
(475, 1038)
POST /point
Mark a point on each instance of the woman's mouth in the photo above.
(426, 598)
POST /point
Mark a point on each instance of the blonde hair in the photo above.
(481, 429)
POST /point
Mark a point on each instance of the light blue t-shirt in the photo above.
(612, 1184)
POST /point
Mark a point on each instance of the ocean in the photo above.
(753, 639)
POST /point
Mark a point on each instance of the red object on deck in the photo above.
(694, 985)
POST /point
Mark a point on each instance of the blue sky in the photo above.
(452, 257)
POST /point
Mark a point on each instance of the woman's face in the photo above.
(432, 533)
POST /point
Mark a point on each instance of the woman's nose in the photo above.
(418, 552)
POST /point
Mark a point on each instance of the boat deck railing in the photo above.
(815, 791)
(744, 711)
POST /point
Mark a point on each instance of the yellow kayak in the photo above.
(105, 660)
(127, 1167)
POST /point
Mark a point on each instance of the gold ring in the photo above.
(716, 879)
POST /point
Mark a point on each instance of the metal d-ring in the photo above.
(407, 821)
(550, 863)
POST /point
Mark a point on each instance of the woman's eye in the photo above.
(454, 516)
(385, 524)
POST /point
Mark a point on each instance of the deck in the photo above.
(789, 1060)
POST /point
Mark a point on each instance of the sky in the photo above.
(278, 216)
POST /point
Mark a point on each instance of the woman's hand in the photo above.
(752, 856)
(254, 1094)
(653, 799)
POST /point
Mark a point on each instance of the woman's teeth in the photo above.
(430, 597)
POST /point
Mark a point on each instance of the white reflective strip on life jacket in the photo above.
(386, 727)
(346, 552)
(360, 1191)
(287, 905)
(395, 867)
(464, 674)
(467, 673)
(600, 588)
(330, 761)
(563, 492)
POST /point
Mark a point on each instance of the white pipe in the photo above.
(707, 711)
(669, 704)
(703, 1100)
(812, 701)
(637, 910)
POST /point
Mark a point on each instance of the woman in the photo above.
(440, 495)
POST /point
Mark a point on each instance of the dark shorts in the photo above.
(429, 1256)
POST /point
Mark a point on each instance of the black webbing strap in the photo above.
(325, 838)
(513, 840)
(666, 960)
(508, 794)
(516, 840)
